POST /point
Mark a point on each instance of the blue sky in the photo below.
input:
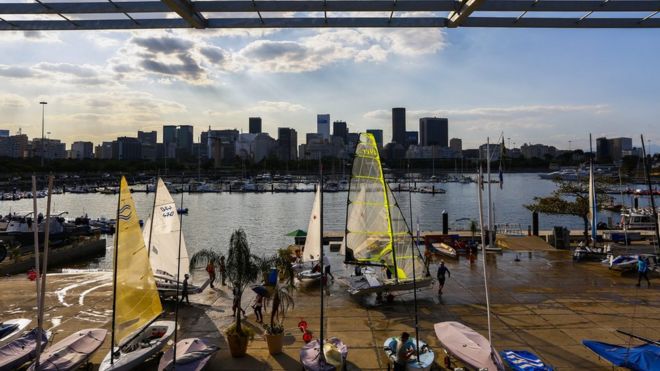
(538, 86)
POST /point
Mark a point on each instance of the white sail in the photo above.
(164, 239)
(356, 219)
(312, 249)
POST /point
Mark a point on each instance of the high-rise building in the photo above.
(255, 125)
(184, 141)
(4, 133)
(323, 125)
(169, 141)
(456, 144)
(103, 151)
(378, 136)
(433, 131)
(340, 130)
(128, 149)
(148, 137)
(82, 150)
(399, 125)
(287, 143)
(612, 149)
(412, 138)
(14, 146)
(52, 148)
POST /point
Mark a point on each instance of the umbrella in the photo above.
(297, 233)
(260, 290)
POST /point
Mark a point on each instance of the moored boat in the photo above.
(468, 346)
(72, 351)
(191, 355)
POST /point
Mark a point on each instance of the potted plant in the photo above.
(241, 271)
(282, 300)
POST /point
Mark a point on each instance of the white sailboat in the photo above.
(377, 234)
(136, 335)
(312, 249)
(161, 232)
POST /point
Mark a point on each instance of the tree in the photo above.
(203, 257)
(241, 268)
(571, 198)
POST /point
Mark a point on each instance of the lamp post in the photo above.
(43, 142)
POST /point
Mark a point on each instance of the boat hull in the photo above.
(364, 285)
(19, 323)
(143, 347)
(191, 355)
(71, 352)
(21, 350)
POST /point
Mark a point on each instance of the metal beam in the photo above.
(460, 14)
(332, 6)
(320, 22)
(184, 9)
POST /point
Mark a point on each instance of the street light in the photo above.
(43, 143)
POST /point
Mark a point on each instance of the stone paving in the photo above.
(544, 303)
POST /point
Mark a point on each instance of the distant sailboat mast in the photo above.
(153, 212)
(178, 281)
(593, 206)
(483, 246)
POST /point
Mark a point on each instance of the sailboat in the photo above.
(312, 249)
(323, 354)
(161, 232)
(136, 333)
(377, 234)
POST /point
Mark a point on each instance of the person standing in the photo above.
(258, 303)
(642, 271)
(326, 266)
(442, 270)
(184, 292)
(210, 268)
(223, 270)
(427, 260)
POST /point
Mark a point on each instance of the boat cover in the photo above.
(467, 345)
(334, 350)
(21, 350)
(191, 355)
(72, 351)
(640, 358)
(7, 328)
(520, 360)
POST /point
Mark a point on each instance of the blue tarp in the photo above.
(640, 358)
(520, 360)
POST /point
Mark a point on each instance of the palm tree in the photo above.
(203, 257)
(282, 300)
(241, 268)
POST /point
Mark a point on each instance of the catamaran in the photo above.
(312, 249)
(377, 234)
(161, 232)
(136, 335)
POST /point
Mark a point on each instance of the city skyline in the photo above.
(101, 85)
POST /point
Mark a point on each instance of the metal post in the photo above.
(323, 276)
(445, 222)
(35, 228)
(153, 211)
(413, 244)
(490, 202)
(114, 279)
(43, 143)
(178, 280)
(483, 250)
(647, 170)
(42, 293)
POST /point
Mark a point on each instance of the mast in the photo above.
(490, 203)
(592, 195)
(348, 202)
(483, 248)
(178, 280)
(42, 292)
(623, 204)
(647, 171)
(35, 228)
(414, 249)
(389, 218)
(323, 276)
(114, 280)
(153, 212)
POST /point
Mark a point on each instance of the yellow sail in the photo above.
(136, 297)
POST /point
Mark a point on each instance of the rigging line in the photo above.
(526, 11)
(254, 4)
(325, 11)
(649, 16)
(126, 14)
(392, 13)
(9, 23)
(591, 12)
(58, 13)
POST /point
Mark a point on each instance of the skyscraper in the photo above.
(412, 138)
(323, 125)
(169, 140)
(456, 144)
(399, 125)
(184, 140)
(287, 144)
(340, 130)
(433, 131)
(148, 137)
(255, 125)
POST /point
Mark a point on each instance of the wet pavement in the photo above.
(544, 303)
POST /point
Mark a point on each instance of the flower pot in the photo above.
(237, 345)
(274, 343)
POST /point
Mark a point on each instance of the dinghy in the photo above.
(12, 328)
(468, 346)
(16, 353)
(376, 231)
(161, 233)
(191, 355)
(334, 357)
(423, 363)
(136, 335)
(72, 351)
(520, 360)
(622, 262)
(312, 250)
(639, 358)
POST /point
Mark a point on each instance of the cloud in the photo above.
(12, 101)
(31, 36)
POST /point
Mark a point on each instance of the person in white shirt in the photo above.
(326, 266)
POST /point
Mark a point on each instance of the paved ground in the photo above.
(544, 303)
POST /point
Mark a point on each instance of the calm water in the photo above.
(267, 217)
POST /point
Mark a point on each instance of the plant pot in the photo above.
(237, 345)
(274, 343)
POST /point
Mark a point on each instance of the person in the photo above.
(258, 303)
(326, 267)
(184, 292)
(404, 350)
(442, 270)
(210, 268)
(427, 260)
(236, 304)
(642, 271)
(316, 268)
(223, 270)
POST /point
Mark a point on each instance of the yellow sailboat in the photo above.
(136, 335)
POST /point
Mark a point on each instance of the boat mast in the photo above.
(490, 203)
(483, 246)
(153, 213)
(623, 208)
(414, 248)
(593, 209)
(647, 171)
(178, 280)
(387, 207)
(35, 228)
(114, 279)
(323, 276)
(42, 293)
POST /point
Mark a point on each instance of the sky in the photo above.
(533, 85)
